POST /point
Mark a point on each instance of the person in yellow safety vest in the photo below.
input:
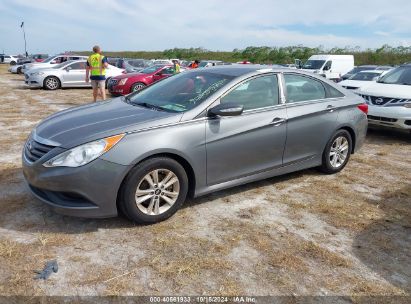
(176, 66)
(96, 73)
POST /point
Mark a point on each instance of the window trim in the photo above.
(280, 100)
(327, 93)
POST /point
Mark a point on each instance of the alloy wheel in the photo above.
(157, 192)
(339, 151)
(138, 87)
(52, 83)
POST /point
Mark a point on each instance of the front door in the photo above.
(75, 75)
(252, 142)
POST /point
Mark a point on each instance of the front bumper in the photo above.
(394, 117)
(117, 90)
(34, 81)
(87, 191)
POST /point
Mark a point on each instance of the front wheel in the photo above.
(51, 83)
(154, 190)
(137, 86)
(337, 152)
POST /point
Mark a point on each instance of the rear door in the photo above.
(312, 112)
(250, 143)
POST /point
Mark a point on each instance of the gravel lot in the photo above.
(302, 234)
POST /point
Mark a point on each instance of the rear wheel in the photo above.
(137, 86)
(13, 63)
(154, 190)
(51, 83)
(337, 152)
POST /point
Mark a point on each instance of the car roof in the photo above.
(242, 69)
(372, 71)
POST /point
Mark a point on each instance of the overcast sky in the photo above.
(116, 25)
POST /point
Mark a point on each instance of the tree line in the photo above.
(385, 55)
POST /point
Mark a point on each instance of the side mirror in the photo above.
(68, 68)
(226, 109)
(326, 68)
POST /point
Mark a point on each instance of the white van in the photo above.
(330, 66)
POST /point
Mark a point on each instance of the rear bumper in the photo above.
(88, 191)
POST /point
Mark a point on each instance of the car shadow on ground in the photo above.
(25, 213)
(385, 245)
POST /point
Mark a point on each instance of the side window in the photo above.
(301, 88)
(333, 92)
(78, 66)
(169, 70)
(328, 65)
(256, 93)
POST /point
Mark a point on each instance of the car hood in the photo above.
(131, 75)
(387, 90)
(83, 124)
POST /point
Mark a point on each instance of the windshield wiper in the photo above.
(151, 106)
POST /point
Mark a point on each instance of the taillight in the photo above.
(364, 108)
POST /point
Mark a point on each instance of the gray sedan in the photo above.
(189, 135)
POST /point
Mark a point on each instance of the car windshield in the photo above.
(60, 65)
(365, 76)
(138, 63)
(203, 64)
(360, 68)
(49, 59)
(151, 69)
(313, 64)
(400, 75)
(181, 92)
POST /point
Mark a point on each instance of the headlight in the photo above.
(84, 154)
(36, 73)
(123, 81)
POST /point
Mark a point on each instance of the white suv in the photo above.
(389, 99)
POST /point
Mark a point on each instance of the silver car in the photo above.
(68, 74)
(188, 135)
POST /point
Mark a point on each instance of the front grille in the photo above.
(34, 150)
(385, 101)
(381, 118)
(111, 83)
(350, 88)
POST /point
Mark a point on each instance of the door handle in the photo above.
(330, 108)
(277, 121)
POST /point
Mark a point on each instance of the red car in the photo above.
(127, 83)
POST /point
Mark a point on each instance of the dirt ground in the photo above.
(301, 234)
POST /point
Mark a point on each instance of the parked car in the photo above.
(361, 79)
(49, 62)
(16, 69)
(191, 134)
(67, 74)
(210, 63)
(329, 66)
(136, 65)
(127, 83)
(389, 99)
(357, 69)
(11, 59)
(162, 61)
(32, 58)
(113, 61)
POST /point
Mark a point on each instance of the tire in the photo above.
(19, 71)
(51, 83)
(154, 205)
(337, 152)
(137, 87)
(107, 81)
(12, 62)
